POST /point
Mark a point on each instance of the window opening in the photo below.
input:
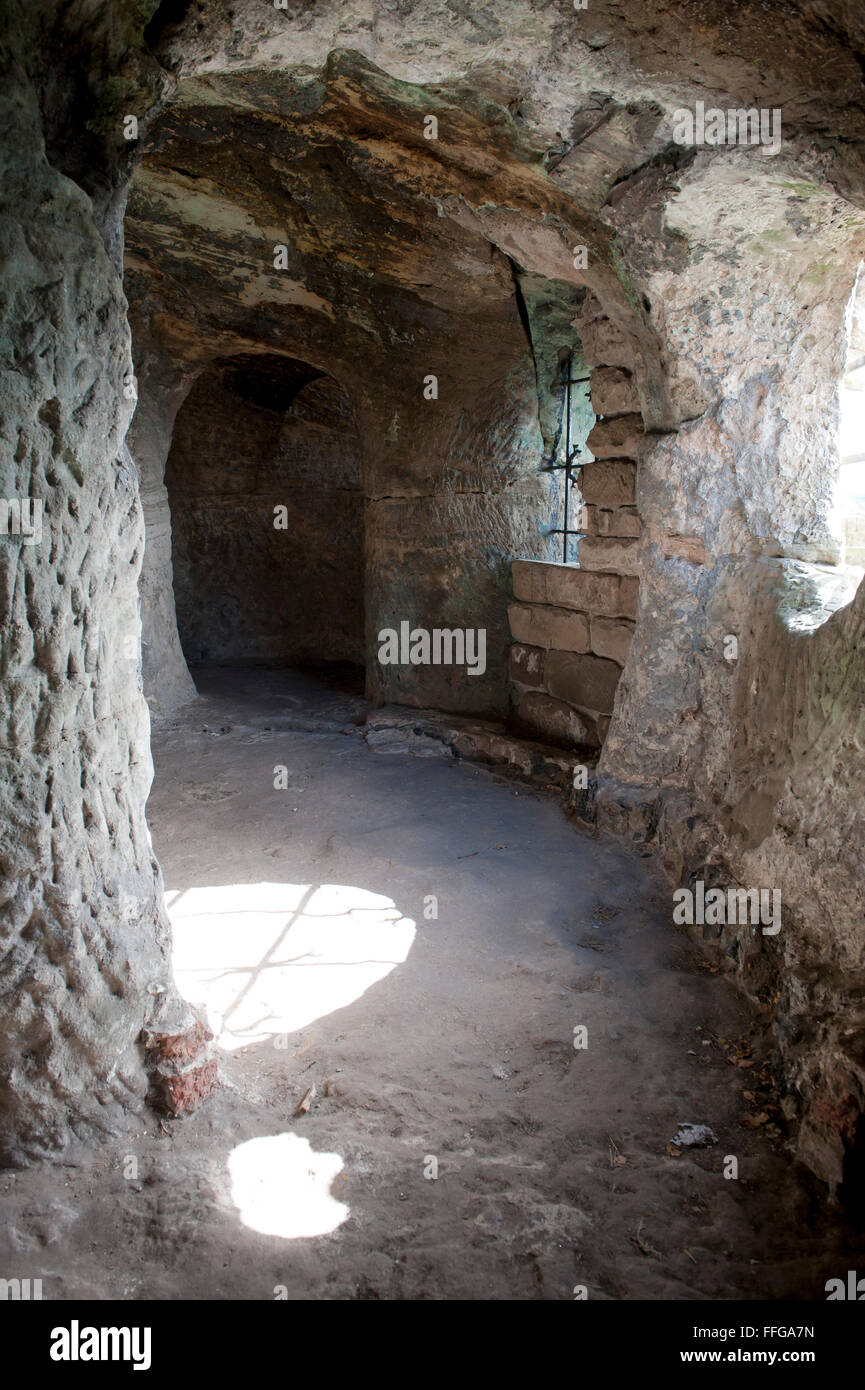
(564, 457)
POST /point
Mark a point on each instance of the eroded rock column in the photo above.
(85, 965)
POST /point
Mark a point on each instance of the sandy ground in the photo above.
(437, 1044)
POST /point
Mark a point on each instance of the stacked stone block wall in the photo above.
(572, 624)
(572, 629)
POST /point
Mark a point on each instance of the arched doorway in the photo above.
(265, 491)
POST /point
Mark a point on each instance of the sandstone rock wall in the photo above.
(254, 582)
(161, 390)
(85, 955)
(732, 764)
(725, 274)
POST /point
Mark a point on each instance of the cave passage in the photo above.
(265, 494)
(361, 976)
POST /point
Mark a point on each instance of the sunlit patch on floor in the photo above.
(281, 1187)
(265, 959)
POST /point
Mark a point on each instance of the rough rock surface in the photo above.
(265, 490)
(718, 278)
(84, 932)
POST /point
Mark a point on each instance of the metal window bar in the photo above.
(552, 466)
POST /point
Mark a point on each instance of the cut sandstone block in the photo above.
(611, 637)
(613, 392)
(545, 626)
(585, 681)
(526, 664)
(617, 436)
(610, 554)
(567, 586)
(612, 521)
(552, 720)
(609, 483)
(602, 340)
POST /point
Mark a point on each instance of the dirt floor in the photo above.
(458, 1144)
